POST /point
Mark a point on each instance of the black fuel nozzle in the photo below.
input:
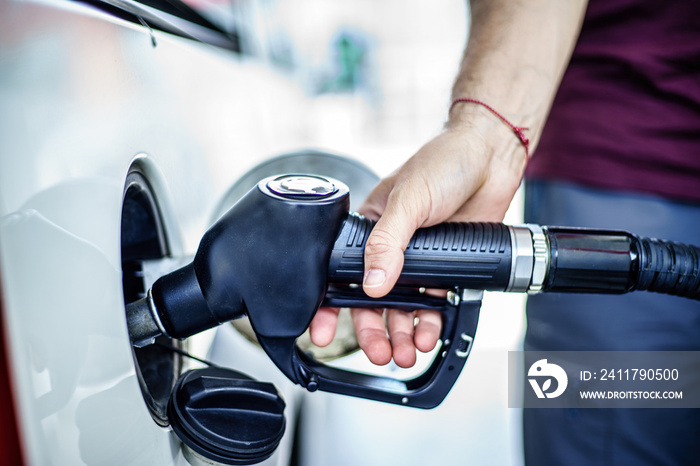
(273, 254)
(266, 257)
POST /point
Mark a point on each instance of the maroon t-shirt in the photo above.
(627, 114)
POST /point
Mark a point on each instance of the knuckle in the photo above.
(381, 242)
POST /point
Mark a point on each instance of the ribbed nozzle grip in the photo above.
(468, 255)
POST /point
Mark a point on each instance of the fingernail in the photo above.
(374, 278)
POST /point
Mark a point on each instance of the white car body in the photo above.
(84, 95)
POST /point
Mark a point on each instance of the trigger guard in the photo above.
(427, 390)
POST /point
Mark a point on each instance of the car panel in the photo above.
(84, 95)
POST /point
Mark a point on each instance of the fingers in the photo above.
(383, 261)
(404, 335)
(387, 242)
(371, 334)
(401, 343)
(323, 325)
(427, 330)
(401, 328)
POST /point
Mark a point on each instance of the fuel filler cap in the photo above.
(224, 417)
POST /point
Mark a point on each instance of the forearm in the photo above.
(515, 57)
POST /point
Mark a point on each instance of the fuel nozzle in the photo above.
(266, 257)
(273, 254)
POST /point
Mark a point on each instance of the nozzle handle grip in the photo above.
(427, 390)
(467, 255)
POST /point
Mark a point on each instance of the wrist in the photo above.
(502, 133)
(519, 131)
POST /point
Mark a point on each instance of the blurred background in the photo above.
(375, 76)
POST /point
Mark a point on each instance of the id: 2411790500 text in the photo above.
(630, 374)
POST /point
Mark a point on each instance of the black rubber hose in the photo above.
(668, 267)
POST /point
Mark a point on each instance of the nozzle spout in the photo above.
(142, 321)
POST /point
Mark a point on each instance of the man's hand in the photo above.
(446, 180)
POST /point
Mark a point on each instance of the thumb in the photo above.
(384, 249)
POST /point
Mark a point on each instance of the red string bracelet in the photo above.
(518, 130)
